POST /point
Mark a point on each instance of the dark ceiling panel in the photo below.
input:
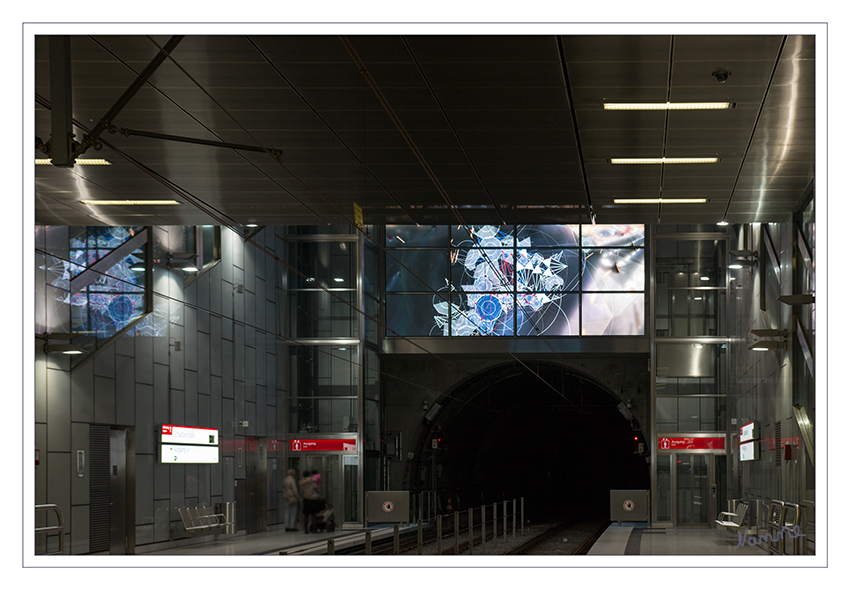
(498, 126)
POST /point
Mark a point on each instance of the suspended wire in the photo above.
(419, 157)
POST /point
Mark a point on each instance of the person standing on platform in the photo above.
(290, 494)
(310, 500)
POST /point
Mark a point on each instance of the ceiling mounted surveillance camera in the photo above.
(721, 75)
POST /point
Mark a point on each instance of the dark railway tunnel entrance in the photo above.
(558, 440)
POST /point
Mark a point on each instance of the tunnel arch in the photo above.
(561, 439)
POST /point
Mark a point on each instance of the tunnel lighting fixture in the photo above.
(664, 160)
(704, 278)
(338, 280)
(697, 298)
(137, 267)
(131, 202)
(251, 225)
(738, 264)
(665, 106)
(80, 162)
(658, 201)
(722, 222)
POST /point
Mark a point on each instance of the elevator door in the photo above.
(699, 488)
(330, 484)
(256, 500)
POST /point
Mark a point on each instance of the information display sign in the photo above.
(189, 435)
(749, 431)
(749, 451)
(189, 454)
(666, 443)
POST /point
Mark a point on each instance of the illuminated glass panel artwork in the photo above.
(560, 317)
(481, 314)
(90, 244)
(612, 235)
(415, 236)
(612, 314)
(541, 236)
(529, 275)
(417, 315)
(416, 270)
(111, 301)
(613, 269)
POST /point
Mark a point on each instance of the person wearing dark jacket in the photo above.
(311, 500)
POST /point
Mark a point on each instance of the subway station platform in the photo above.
(639, 539)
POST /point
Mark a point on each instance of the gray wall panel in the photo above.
(271, 374)
(226, 255)
(125, 391)
(162, 522)
(58, 410)
(227, 368)
(190, 339)
(176, 358)
(239, 402)
(237, 245)
(160, 395)
(191, 399)
(204, 411)
(144, 488)
(146, 429)
(80, 442)
(59, 483)
(251, 253)
(178, 407)
(144, 359)
(40, 384)
(215, 402)
(79, 525)
(161, 479)
(215, 346)
(104, 362)
(126, 345)
(250, 368)
(227, 418)
(251, 416)
(238, 352)
(203, 363)
(214, 294)
(41, 468)
(82, 393)
(104, 400)
(250, 314)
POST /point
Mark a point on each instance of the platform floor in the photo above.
(625, 539)
(639, 539)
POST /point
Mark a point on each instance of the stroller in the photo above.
(324, 519)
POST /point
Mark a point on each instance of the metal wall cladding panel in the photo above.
(80, 442)
(227, 368)
(162, 521)
(58, 410)
(228, 418)
(685, 360)
(160, 395)
(190, 339)
(203, 409)
(82, 393)
(177, 411)
(144, 359)
(250, 367)
(239, 399)
(161, 477)
(215, 345)
(80, 528)
(388, 506)
(251, 416)
(239, 357)
(191, 398)
(250, 255)
(125, 390)
(41, 470)
(203, 362)
(146, 430)
(215, 403)
(226, 265)
(144, 488)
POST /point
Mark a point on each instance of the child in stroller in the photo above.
(323, 520)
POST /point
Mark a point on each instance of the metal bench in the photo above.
(733, 520)
(202, 519)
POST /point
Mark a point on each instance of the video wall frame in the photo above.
(523, 280)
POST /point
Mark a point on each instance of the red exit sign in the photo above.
(323, 444)
(666, 443)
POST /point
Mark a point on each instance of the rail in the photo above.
(49, 529)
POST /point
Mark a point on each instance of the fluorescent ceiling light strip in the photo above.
(655, 201)
(664, 106)
(81, 162)
(664, 160)
(128, 202)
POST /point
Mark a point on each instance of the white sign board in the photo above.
(189, 454)
(189, 435)
(749, 451)
(749, 431)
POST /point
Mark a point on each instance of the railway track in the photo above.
(564, 539)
